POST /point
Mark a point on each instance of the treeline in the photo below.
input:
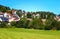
(32, 20)
(49, 24)
(4, 8)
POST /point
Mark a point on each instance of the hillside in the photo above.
(42, 20)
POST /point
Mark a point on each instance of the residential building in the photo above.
(9, 17)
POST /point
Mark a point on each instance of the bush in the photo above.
(3, 24)
(58, 26)
(13, 24)
(51, 24)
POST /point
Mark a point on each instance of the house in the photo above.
(13, 16)
(1, 14)
(57, 18)
(7, 16)
(34, 15)
(2, 18)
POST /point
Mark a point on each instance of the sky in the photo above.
(33, 5)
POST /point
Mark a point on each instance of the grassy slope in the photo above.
(28, 34)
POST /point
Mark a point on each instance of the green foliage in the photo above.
(31, 25)
(26, 24)
(20, 24)
(58, 26)
(23, 23)
(4, 8)
(51, 24)
(3, 24)
(13, 24)
(46, 15)
(29, 15)
(19, 13)
(35, 23)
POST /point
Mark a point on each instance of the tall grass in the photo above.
(18, 33)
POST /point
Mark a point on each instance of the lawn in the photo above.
(18, 33)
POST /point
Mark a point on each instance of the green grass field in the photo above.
(16, 33)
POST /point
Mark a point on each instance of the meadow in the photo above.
(21, 33)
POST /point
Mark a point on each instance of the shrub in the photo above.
(13, 24)
(50, 24)
(3, 24)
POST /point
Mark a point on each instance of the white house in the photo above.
(14, 16)
(9, 17)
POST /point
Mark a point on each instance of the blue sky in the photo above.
(33, 5)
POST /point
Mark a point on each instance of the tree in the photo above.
(20, 24)
(3, 24)
(26, 23)
(45, 15)
(54, 24)
(13, 24)
(50, 15)
(4, 8)
(23, 11)
(29, 15)
(58, 26)
(31, 25)
(23, 23)
(19, 13)
(50, 24)
(35, 23)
